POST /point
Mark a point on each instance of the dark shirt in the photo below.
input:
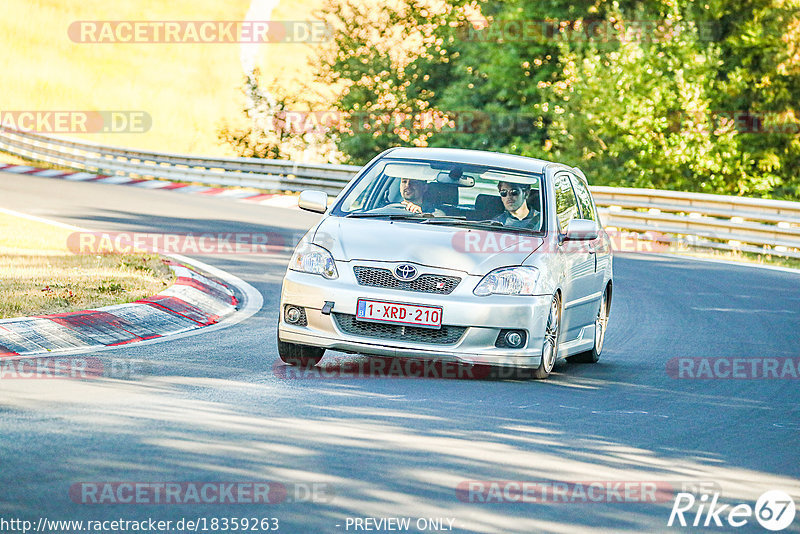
(531, 221)
(428, 206)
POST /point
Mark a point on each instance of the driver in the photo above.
(517, 213)
(415, 196)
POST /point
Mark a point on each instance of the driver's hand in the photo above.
(410, 206)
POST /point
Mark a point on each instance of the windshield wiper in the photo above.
(487, 224)
(391, 216)
(462, 221)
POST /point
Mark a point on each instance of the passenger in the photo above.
(517, 214)
(415, 196)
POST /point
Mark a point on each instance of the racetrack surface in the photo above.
(216, 407)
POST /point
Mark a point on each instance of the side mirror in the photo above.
(316, 201)
(581, 230)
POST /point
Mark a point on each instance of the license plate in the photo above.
(379, 311)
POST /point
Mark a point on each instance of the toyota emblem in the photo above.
(405, 272)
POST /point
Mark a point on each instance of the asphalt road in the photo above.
(218, 407)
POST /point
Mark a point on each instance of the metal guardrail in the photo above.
(755, 225)
(242, 172)
(697, 220)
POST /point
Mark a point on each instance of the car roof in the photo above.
(472, 157)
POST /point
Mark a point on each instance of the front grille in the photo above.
(446, 335)
(427, 283)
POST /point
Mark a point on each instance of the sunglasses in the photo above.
(513, 192)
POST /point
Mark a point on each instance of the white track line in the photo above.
(50, 173)
(19, 169)
(115, 180)
(80, 176)
(41, 220)
(733, 262)
(152, 184)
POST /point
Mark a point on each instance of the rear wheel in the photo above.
(600, 324)
(552, 334)
(299, 355)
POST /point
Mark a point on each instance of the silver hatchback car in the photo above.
(456, 255)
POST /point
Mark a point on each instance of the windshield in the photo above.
(447, 193)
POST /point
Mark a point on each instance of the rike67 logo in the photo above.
(774, 510)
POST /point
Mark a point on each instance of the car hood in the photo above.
(448, 247)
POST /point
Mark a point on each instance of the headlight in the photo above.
(509, 281)
(311, 258)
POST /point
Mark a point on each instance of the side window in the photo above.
(566, 204)
(358, 197)
(584, 199)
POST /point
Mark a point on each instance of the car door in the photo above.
(578, 261)
(602, 252)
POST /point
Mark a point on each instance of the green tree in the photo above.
(274, 126)
(638, 115)
(382, 62)
(760, 75)
(257, 133)
(647, 93)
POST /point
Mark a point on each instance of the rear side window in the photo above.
(566, 203)
(584, 199)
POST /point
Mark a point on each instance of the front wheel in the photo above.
(299, 355)
(552, 334)
(600, 324)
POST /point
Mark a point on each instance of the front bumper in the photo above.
(482, 318)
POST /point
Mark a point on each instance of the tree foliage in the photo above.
(674, 94)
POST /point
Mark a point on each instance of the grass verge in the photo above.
(38, 274)
(188, 89)
(744, 257)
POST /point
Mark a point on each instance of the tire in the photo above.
(552, 337)
(601, 323)
(299, 355)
